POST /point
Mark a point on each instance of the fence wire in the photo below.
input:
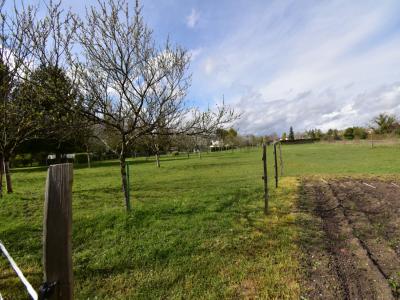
(17, 270)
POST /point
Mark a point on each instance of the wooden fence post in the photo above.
(372, 140)
(57, 231)
(276, 166)
(281, 158)
(265, 178)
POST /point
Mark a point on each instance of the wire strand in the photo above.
(17, 270)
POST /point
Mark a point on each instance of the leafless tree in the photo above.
(51, 44)
(158, 139)
(16, 123)
(130, 84)
(29, 43)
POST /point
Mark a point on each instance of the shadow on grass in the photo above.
(133, 161)
(231, 200)
(29, 169)
(97, 190)
(24, 238)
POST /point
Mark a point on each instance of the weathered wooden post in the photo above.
(281, 158)
(275, 166)
(265, 178)
(57, 232)
(372, 139)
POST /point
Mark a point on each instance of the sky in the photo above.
(307, 64)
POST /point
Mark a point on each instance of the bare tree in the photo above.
(158, 140)
(186, 143)
(27, 44)
(51, 44)
(130, 84)
(153, 142)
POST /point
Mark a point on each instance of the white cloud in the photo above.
(193, 18)
(323, 110)
(208, 66)
(195, 53)
(330, 64)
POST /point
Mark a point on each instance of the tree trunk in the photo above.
(199, 153)
(1, 175)
(88, 160)
(88, 156)
(157, 160)
(58, 158)
(8, 175)
(188, 154)
(124, 180)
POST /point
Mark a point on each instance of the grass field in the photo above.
(197, 229)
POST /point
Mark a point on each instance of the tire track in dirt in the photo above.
(360, 261)
(384, 211)
(368, 210)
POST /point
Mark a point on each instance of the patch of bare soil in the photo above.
(351, 242)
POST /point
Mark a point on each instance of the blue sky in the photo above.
(280, 63)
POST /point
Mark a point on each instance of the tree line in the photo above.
(69, 83)
(385, 125)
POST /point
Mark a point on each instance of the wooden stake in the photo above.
(275, 166)
(265, 178)
(281, 158)
(57, 231)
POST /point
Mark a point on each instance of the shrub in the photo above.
(81, 158)
(22, 160)
(360, 132)
(349, 133)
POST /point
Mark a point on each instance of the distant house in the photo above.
(216, 144)
(219, 145)
(52, 157)
(67, 156)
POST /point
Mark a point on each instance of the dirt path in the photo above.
(351, 246)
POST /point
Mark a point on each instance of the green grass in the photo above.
(339, 159)
(197, 229)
